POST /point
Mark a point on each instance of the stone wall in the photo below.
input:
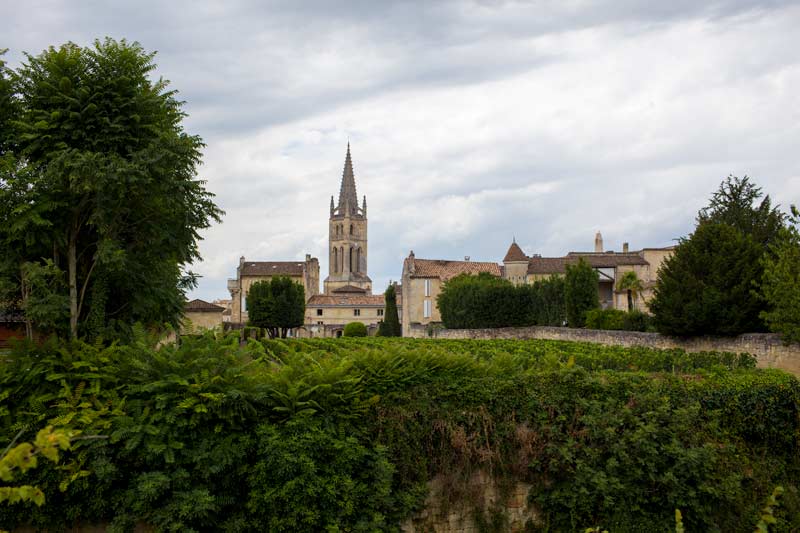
(453, 509)
(768, 348)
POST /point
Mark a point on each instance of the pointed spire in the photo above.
(364, 206)
(348, 199)
(331, 205)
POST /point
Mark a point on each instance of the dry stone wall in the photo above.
(768, 348)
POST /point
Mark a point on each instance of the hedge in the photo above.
(343, 434)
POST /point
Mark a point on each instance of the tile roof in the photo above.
(515, 253)
(547, 265)
(272, 268)
(201, 306)
(444, 270)
(345, 300)
(598, 260)
(558, 265)
(352, 289)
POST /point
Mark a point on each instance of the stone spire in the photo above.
(332, 205)
(598, 243)
(348, 199)
(364, 206)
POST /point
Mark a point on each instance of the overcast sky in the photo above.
(470, 122)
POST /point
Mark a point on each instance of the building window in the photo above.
(356, 312)
(427, 287)
(320, 323)
(426, 313)
(319, 312)
(380, 312)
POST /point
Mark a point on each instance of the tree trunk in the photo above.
(72, 267)
(630, 301)
(25, 296)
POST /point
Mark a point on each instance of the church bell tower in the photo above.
(347, 239)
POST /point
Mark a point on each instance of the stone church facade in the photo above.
(347, 289)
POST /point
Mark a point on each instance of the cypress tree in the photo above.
(580, 293)
(390, 326)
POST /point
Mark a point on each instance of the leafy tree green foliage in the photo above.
(7, 108)
(781, 282)
(24, 456)
(485, 301)
(605, 319)
(706, 287)
(548, 306)
(309, 478)
(355, 329)
(315, 434)
(614, 319)
(482, 301)
(736, 203)
(278, 305)
(580, 292)
(390, 325)
(709, 286)
(103, 185)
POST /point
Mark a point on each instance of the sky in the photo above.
(470, 123)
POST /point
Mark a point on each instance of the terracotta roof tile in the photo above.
(558, 265)
(201, 306)
(444, 270)
(352, 289)
(345, 300)
(272, 268)
(599, 260)
(515, 253)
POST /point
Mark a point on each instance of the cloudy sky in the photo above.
(470, 122)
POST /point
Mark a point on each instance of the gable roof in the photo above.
(514, 253)
(599, 260)
(444, 270)
(558, 265)
(351, 289)
(201, 306)
(272, 268)
(345, 300)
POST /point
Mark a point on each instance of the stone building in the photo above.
(609, 265)
(347, 295)
(306, 273)
(200, 315)
(422, 282)
(423, 278)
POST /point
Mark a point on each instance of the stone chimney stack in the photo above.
(598, 243)
(624, 247)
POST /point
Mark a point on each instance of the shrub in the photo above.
(344, 434)
(605, 319)
(355, 329)
(637, 321)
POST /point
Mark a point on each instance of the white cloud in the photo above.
(470, 122)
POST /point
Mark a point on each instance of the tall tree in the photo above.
(632, 285)
(109, 185)
(581, 292)
(390, 325)
(741, 204)
(277, 305)
(706, 287)
(781, 282)
(709, 286)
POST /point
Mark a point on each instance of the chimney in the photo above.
(598, 243)
(624, 247)
(308, 258)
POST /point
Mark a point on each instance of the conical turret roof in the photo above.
(515, 253)
(348, 199)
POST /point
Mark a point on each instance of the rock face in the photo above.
(481, 499)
